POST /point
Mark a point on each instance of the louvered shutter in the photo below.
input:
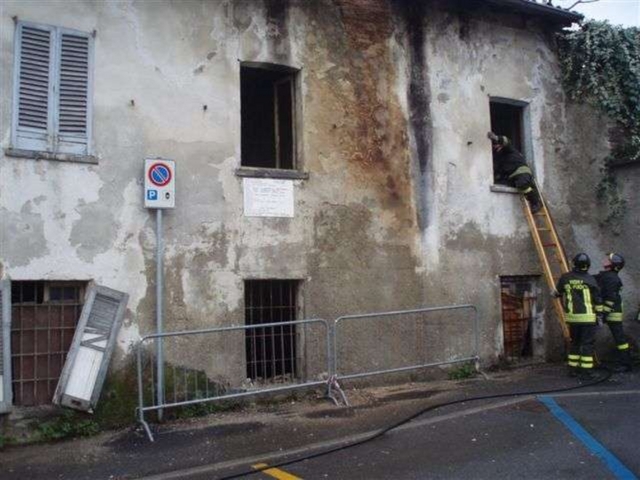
(73, 112)
(5, 344)
(33, 104)
(88, 359)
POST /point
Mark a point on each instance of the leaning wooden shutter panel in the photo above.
(5, 345)
(34, 53)
(88, 359)
(73, 95)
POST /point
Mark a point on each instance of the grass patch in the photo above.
(67, 425)
(466, 370)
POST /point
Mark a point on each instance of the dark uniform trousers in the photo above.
(612, 311)
(522, 179)
(583, 339)
(621, 341)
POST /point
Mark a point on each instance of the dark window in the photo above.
(44, 316)
(271, 351)
(267, 103)
(507, 119)
(519, 309)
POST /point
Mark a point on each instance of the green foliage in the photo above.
(601, 66)
(67, 425)
(466, 370)
(5, 441)
(119, 399)
(609, 193)
(204, 409)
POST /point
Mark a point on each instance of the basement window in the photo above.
(521, 322)
(44, 316)
(271, 351)
(267, 115)
(508, 117)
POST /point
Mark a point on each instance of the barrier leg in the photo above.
(334, 385)
(145, 425)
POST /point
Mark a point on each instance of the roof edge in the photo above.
(548, 11)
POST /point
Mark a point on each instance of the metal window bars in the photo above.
(41, 334)
(270, 351)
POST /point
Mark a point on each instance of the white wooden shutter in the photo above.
(33, 87)
(73, 92)
(88, 359)
(6, 395)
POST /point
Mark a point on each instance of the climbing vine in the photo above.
(601, 66)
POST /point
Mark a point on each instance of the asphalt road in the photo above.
(521, 440)
(589, 432)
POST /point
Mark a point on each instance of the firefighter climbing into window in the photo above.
(512, 167)
(611, 308)
(581, 300)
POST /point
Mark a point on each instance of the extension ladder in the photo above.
(550, 251)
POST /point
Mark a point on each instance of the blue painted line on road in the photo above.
(616, 466)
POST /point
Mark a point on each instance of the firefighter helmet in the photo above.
(581, 262)
(617, 261)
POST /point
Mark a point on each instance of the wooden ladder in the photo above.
(550, 251)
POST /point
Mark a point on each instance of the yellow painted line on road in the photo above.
(275, 472)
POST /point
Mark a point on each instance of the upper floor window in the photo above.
(52, 89)
(267, 115)
(508, 118)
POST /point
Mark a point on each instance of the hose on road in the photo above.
(381, 432)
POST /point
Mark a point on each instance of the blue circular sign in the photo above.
(159, 174)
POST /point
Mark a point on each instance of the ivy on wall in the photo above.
(601, 66)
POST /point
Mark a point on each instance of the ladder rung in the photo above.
(549, 244)
(544, 229)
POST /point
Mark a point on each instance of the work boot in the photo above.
(573, 371)
(624, 364)
(535, 207)
(586, 375)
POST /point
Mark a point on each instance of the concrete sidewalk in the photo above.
(270, 430)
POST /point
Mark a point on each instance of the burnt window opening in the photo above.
(507, 118)
(519, 298)
(271, 351)
(44, 316)
(267, 116)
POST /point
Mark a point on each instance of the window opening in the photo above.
(507, 119)
(271, 351)
(519, 295)
(267, 102)
(44, 316)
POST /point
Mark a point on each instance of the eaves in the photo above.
(542, 10)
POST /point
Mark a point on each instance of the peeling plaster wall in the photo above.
(397, 211)
(354, 240)
(475, 235)
(582, 224)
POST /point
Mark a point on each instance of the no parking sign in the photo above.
(159, 183)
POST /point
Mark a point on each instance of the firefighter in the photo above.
(611, 308)
(512, 166)
(581, 299)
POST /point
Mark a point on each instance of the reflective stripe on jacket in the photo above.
(520, 170)
(580, 297)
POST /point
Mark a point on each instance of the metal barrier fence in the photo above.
(190, 386)
(379, 340)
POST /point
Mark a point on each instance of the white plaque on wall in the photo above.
(267, 197)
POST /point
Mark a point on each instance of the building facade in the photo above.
(371, 114)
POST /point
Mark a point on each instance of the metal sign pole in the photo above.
(159, 301)
(159, 193)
